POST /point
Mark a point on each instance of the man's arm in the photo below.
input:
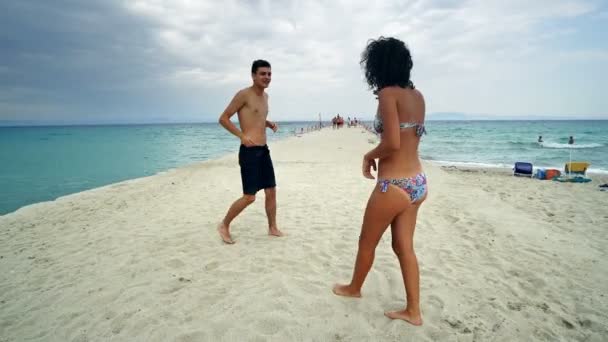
(238, 101)
(235, 105)
(273, 126)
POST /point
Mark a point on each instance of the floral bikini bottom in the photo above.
(415, 186)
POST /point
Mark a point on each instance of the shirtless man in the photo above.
(257, 171)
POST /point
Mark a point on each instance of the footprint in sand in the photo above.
(212, 266)
(436, 302)
(175, 263)
(457, 324)
(192, 337)
(543, 306)
(82, 337)
(179, 284)
(119, 322)
(536, 282)
(567, 324)
(453, 219)
(498, 325)
(109, 315)
(171, 290)
(516, 306)
(585, 323)
(341, 245)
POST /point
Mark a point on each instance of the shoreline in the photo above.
(597, 176)
(504, 167)
(214, 158)
(592, 172)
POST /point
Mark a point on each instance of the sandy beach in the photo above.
(502, 258)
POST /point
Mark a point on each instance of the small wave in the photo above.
(597, 171)
(566, 146)
(522, 144)
(472, 164)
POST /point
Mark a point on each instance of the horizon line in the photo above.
(19, 123)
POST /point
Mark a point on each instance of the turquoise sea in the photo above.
(502, 143)
(43, 163)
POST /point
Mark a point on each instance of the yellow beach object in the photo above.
(576, 167)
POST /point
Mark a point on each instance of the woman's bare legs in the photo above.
(380, 211)
(402, 230)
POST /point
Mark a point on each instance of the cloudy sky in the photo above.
(71, 61)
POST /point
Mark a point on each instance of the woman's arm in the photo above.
(391, 139)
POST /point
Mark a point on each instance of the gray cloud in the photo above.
(155, 60)
(78, 61)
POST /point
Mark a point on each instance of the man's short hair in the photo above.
(260, 63)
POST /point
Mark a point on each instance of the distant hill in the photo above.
(447, 116)
(462, 116)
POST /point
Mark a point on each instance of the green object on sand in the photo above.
(576, 179)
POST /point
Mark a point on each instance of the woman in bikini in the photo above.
(402, 185)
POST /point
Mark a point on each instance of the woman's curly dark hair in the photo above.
(387, 62)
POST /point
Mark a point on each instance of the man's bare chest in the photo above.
(258, 108)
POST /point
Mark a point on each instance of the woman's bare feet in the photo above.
(405, 315)
(224, 233)
(274, 231)
(346, 291)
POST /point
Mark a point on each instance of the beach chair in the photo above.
(523, 169)
(579, 168)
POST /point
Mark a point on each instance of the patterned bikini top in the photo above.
(420, 130)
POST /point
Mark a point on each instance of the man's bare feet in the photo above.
(404, 315)
(274, 231)
(224, 233)
(346, 291)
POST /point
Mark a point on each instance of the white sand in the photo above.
(501, 258)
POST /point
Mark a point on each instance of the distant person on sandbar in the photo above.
(257, 171)
(402, 185)
(540, 138)
(571, 140)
